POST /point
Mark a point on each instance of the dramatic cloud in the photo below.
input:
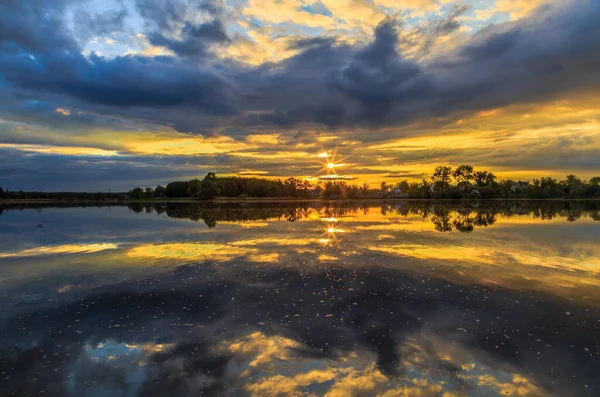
(396, 73)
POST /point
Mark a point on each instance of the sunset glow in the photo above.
(387, 90)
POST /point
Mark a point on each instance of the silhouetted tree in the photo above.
(425, 187)
(484, 178)
(464, 174)
(211, 176)
(505, 187)
(194, 188)
(291, 186)
(208, 188)
(573, 186)
(442, 176)
(136, 193)
(177, 189)
(159, 191)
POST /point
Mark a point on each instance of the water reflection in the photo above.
(311, 299)
(446, 216)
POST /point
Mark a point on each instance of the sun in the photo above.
(331, 162)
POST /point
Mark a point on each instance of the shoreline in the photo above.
(184, 200)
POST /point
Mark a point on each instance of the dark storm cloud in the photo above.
(196, 39)
(340, 86)
(40, 57)
(44, 112)
(51, 172)
(334, 85)
(37, 26)
(377, 76)
(124, 81)
(163, 20)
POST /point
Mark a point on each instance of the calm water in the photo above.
(304, 300)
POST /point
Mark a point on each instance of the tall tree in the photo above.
(159, 191)
(573, 186)
(208, 189)
(211, 176)
(291, 186)
(442, 176)
(464, 174)
(137, 193)
(177, 189)
(480, 177)
(425, 188)
(505, 186)
(194, 188)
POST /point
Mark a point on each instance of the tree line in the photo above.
(445, 182)
(211, 186)
(64, 196)
(465, 182)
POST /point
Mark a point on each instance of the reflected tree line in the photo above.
(445, 216)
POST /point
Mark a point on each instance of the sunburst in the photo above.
(331, 162)
(331, 234)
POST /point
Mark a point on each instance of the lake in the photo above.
(304, 299)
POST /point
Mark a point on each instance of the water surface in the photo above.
(347, 299)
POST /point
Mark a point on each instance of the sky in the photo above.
(111, 94)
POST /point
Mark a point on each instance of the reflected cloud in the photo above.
(188, 251)
(429, 368)
(264, 258)
(325, 299)
(61, 250)
(276, 241)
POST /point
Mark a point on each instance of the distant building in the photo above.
(317, 192)
(397, 193)
(475, 193)
(519, 186)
